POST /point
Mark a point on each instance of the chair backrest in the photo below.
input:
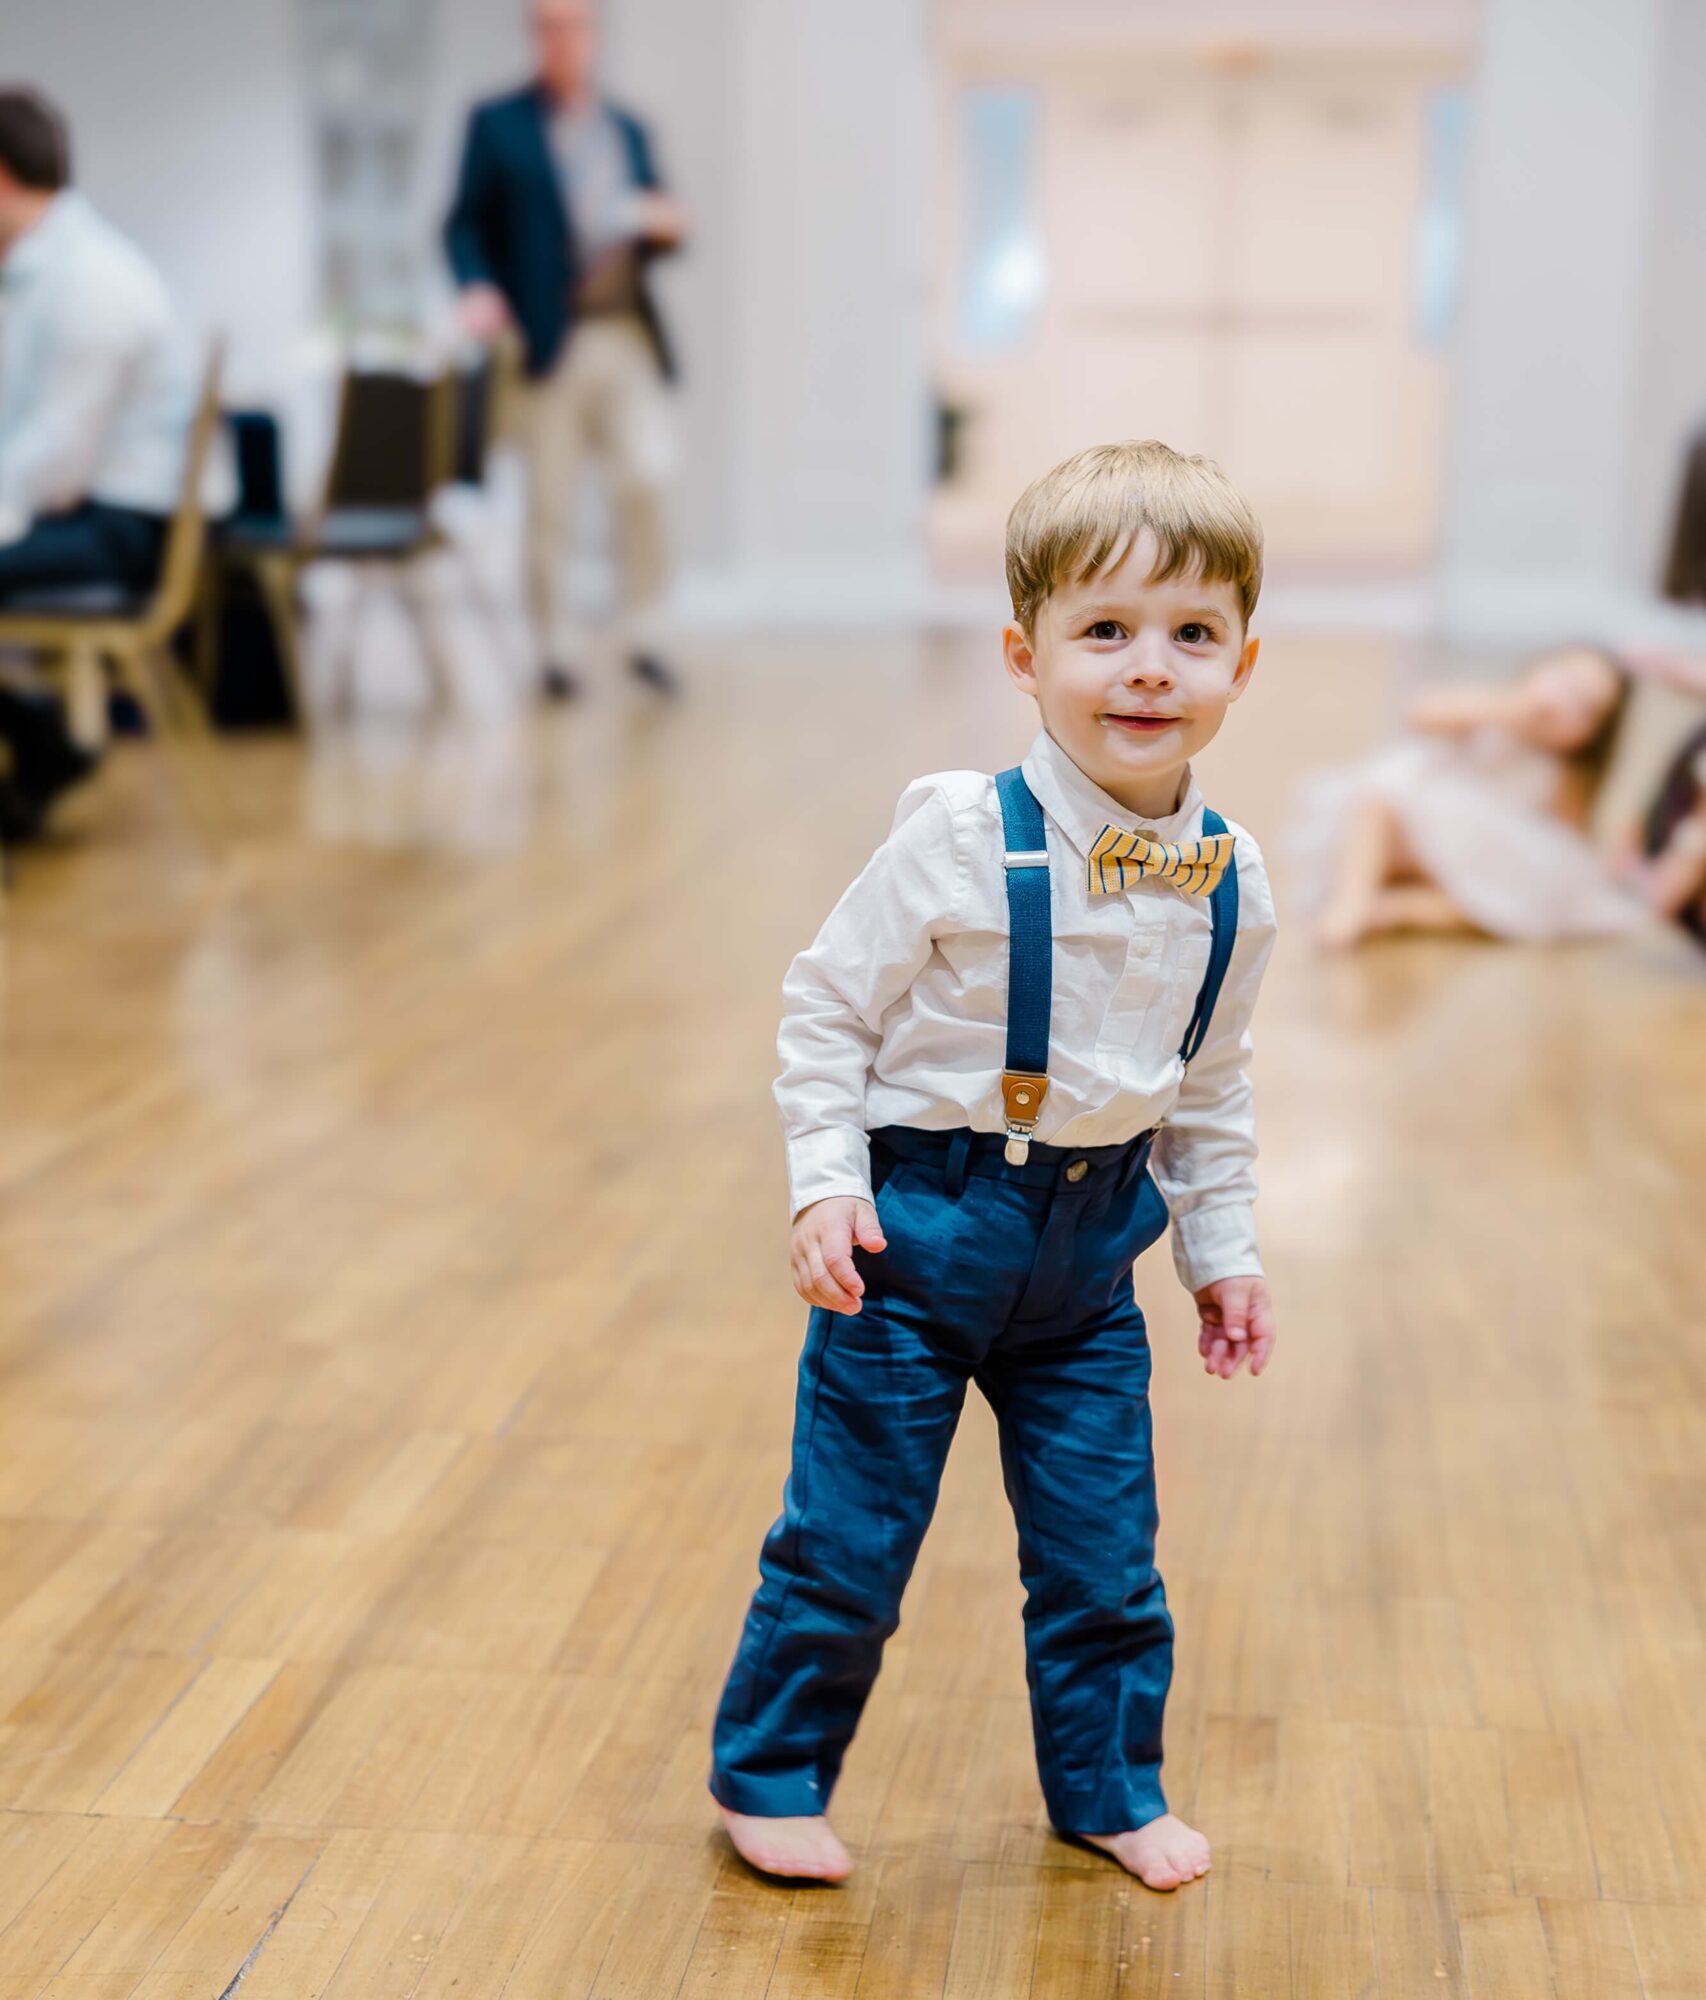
(180, 566)
(395, 439)
(260, 468)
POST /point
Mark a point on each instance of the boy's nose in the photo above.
(1148, 663)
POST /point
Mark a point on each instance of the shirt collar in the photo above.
(1080, 808)
(35, 247)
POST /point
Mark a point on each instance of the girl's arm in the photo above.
(1458, 711)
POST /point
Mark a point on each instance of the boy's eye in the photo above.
(1193, 633)
(1104, 628)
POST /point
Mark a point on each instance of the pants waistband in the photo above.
(984, 1153)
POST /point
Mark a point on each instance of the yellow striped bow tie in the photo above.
(1118, 859)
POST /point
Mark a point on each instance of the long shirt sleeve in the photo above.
(1205, 1154)
(871, 948)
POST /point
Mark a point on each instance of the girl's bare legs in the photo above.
(1379, 885)
(1369, 851)
(1414, 906)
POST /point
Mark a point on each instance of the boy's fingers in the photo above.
(824, 1289)
(867, 1230)
(842, 1271)
(1261, 1335)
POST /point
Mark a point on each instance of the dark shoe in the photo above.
(651, 672)
(125, 716)
(20, 815)
(24, 806)
(51, 773)
(557, 683)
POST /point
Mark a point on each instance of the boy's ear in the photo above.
(1021, 661)
(1246, 666)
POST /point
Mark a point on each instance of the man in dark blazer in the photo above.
(559, 212)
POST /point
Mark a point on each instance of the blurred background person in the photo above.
(96, 402)
(558, 212)
(1477, 818)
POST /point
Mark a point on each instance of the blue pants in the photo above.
(1018, 1279)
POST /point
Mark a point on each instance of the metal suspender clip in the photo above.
(1025, 857)
(1022, 1096)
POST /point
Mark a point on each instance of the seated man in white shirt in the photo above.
(97, 395)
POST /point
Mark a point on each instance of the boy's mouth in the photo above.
(1139, 725)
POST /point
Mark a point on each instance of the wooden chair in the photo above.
(76, 631)
(395, 447)
(398, 439)
(257, 541)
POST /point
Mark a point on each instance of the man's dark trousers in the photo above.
(89, 543)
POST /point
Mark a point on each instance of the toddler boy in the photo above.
(1018, 1045)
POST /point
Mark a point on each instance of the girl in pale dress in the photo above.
(1477, 818)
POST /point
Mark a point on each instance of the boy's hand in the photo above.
(821, 1252)
(1237, 1318)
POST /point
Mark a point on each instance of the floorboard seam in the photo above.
(260, 1944)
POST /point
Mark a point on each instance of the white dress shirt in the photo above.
(598, 178)
(897, 1014)
(97, 387)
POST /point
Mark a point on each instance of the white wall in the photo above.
(187, 132)
(1580, 345)
(791, 128)
(1670, 386)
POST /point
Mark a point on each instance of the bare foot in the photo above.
(1164, 1854)
(805, 1849)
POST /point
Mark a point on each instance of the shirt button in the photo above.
(1077, 1170)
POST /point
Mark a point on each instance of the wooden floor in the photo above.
(395, 1374)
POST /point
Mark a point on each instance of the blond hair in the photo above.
(1085, 514)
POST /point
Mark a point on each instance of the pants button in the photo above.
(1077, 1170)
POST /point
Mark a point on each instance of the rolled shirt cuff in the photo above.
(835, 1160)
(1212, 1243)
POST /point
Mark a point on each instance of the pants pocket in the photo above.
(955, 1265)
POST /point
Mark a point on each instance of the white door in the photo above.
(1229, 266)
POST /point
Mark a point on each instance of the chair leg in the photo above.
(344, 650)
(276, 578)
(488, 604)
(86, 694)
(411, 579)
(184, 736)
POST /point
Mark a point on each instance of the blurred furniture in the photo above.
(1685, 566)
(252, 553)
(78, 632)
(394, 447)
(398, 439)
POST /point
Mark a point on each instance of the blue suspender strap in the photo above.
(1030, 961)
(1223, 908)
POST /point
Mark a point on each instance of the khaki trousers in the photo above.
(604, 405)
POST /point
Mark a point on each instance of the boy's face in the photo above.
(1133, 677)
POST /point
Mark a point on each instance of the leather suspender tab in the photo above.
(1022, 1096)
